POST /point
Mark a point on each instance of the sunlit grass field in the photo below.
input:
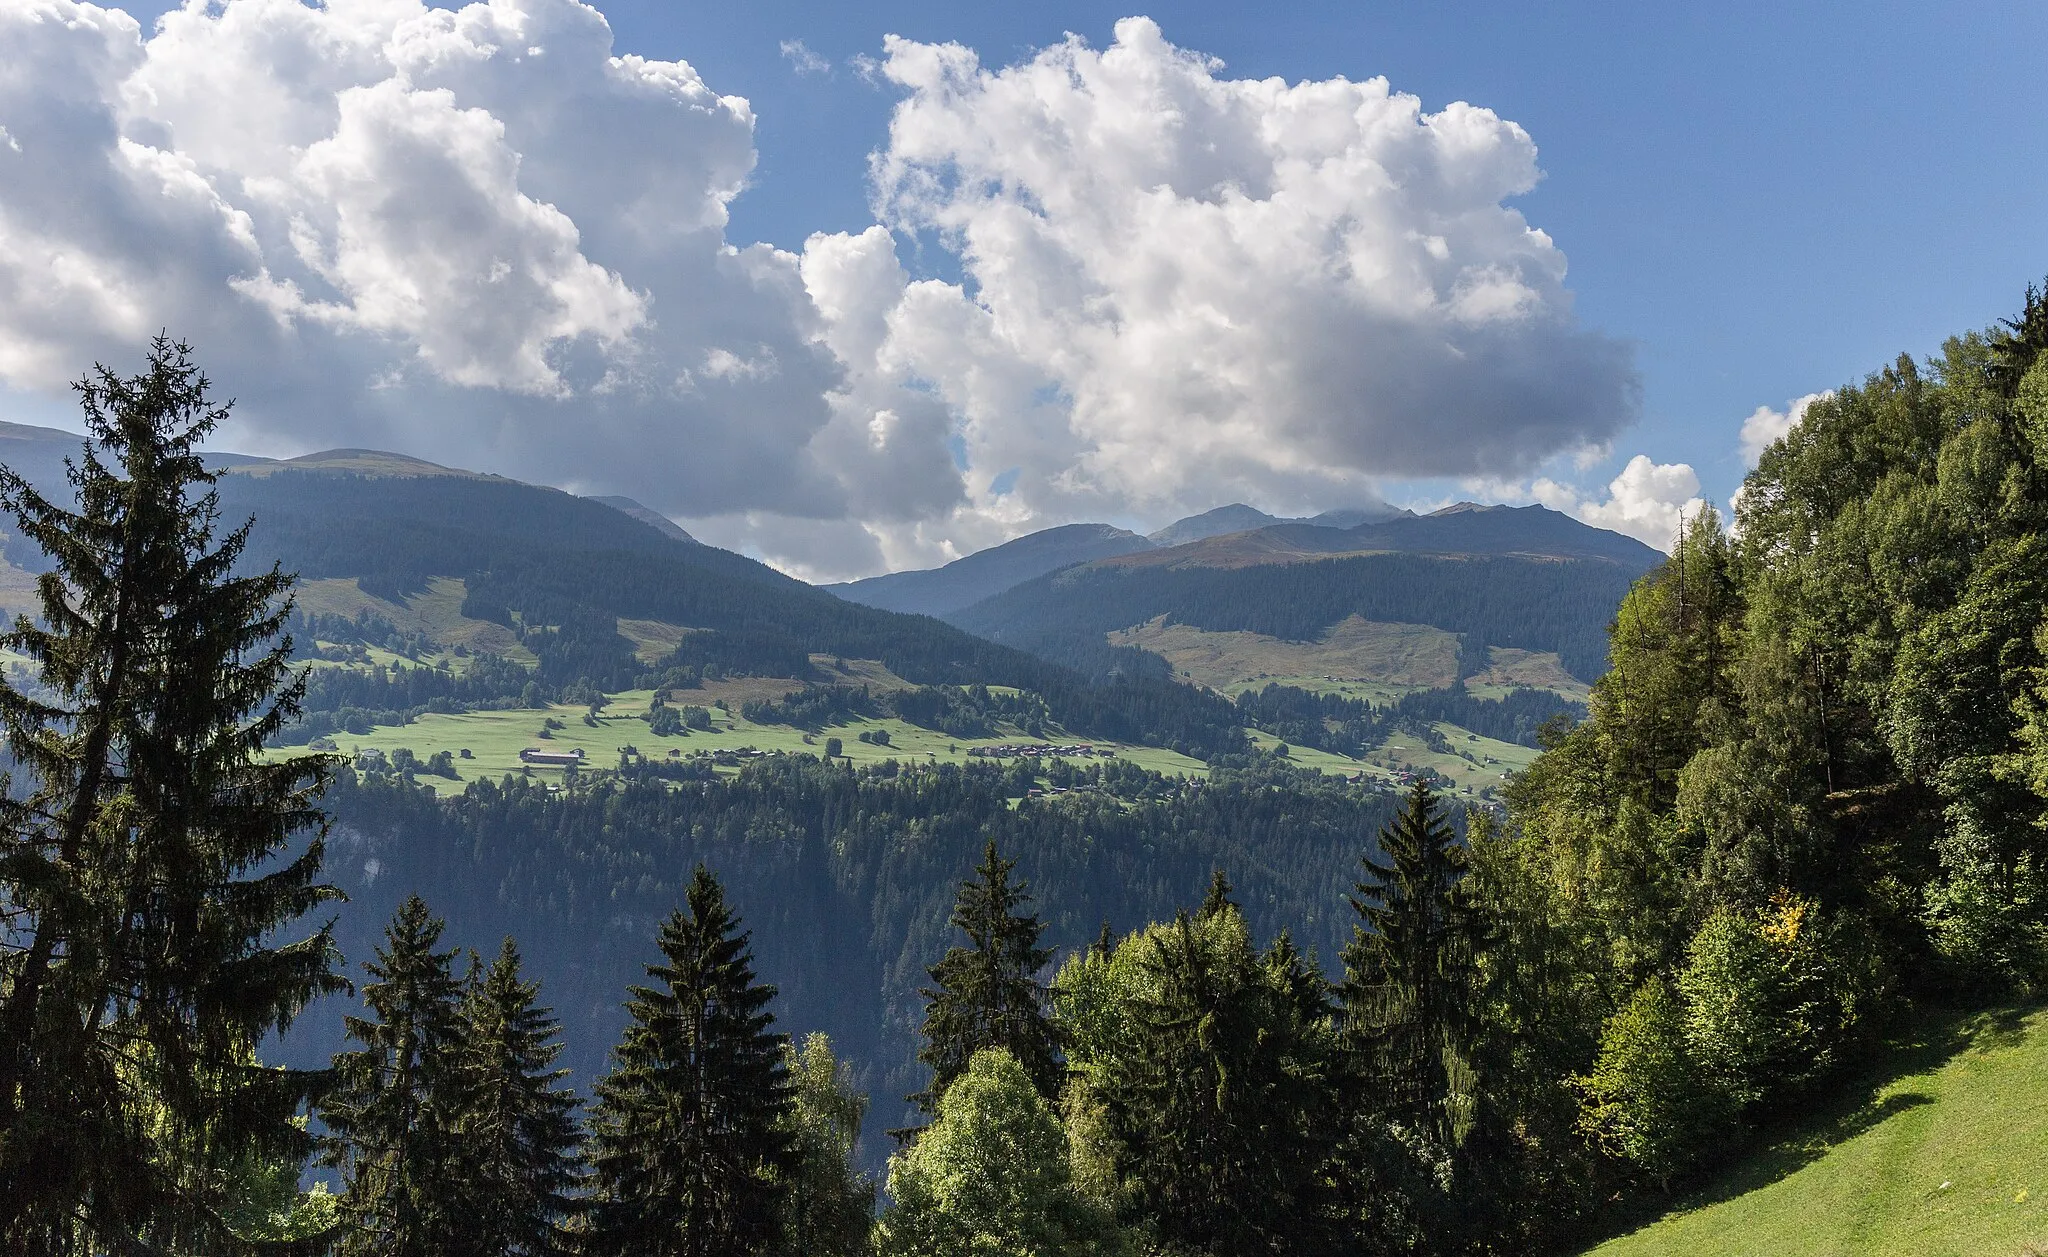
(1949, 1158)
(495, 738)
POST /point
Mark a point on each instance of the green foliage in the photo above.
(520, 1142)
(1411, 986)
(1205, 1081)
(399, 1099)
(990, 1177)
(830, 1204)
(144, 869)
(693, 1149)
(1647, 1099)
(990, 994)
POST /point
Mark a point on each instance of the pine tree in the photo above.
(1218, 897)
(1218, 1103)
(145, 871)
(692, 1146)
(989, 995)
(398, 1099)
(1410, 985)
(520, 1144)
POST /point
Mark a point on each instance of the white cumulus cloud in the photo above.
(1766, 427)
(1182, 288)
(1648, 501)
(478, 235)
(486, 236)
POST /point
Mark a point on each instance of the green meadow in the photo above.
(1946, 1158)
(494, 740)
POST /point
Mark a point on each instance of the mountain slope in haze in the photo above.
(965, 581)
(571, 576)
(1237, 517)
(1534, 531)
(647, 515)
(1527, 579)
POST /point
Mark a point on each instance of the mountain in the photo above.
(1529, 531)
(366, 463)
(944, 590)
(963, 582)
(647, 515)
(1237, 517)
(1527, 580)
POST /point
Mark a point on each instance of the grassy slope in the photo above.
(495, 738)
(1947, 1159)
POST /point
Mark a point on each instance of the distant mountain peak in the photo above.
(985, 573)
(359, 462)
(647, 515)
(1462, 508)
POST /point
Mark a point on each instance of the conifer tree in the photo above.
(399, 1098)
(1217, 1103)
(1410, 986)
(1218, 897)
(520, 1143)
(692, 1149)
(144, 870)
(989, 994)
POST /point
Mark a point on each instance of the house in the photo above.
(552, 759)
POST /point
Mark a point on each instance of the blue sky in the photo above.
(1767, 199)
(1756, 202)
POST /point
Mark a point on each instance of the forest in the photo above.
(1807, 803)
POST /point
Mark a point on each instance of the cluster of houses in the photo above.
(1036, 750)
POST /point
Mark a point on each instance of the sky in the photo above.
(861, 287)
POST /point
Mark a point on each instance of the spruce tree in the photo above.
(990, 995)
(1217, 1104)
(1218, 897)
(1410, 989)
(145, 876)
(398, 1100)
(520, 1143)
(692, 1147)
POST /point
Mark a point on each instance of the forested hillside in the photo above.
(1523, 603)
(845, 877)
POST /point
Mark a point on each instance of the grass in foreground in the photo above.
(1947, 1159)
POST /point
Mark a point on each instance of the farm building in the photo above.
(552, 759)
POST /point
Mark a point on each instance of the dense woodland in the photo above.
(1808, 798)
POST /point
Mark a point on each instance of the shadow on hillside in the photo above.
(1782, 1149)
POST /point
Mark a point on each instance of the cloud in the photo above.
(1181, 288)
(486, 236)
(1766, 427)
(802, 59)
(1647, 501)
(475, 234)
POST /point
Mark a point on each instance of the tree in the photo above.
(989, 995)
(990, 1177)
(1410, 989)
(145, 877)
(1647, 1100)
(829, 1208)
(398, 1101)
(1215, 1090)
(521, 1145)
(1218, 897)
(693, 1151)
